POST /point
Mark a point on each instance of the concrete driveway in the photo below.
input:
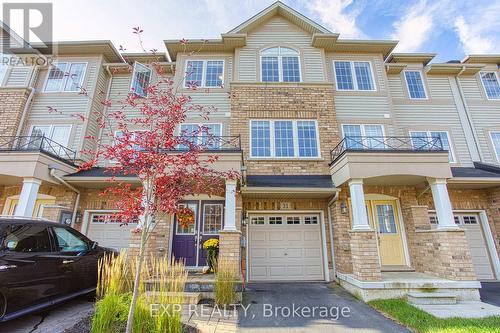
(490, 292)
(308, 307)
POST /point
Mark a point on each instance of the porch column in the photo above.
(442, 203)
(230, 210)
(27, 199)
(358, 208)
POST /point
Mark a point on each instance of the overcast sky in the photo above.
(451, 28)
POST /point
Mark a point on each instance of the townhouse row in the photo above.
(375, 169)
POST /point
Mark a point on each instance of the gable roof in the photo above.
(279, 8)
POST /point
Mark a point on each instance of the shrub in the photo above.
(162, 282)
(225, 282)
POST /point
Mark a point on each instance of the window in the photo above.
(57, 133)
(363, 136)
(293, 220)
(284, 138)
(65, 76)
(280, 64)
(108, 218)
(491, 85)
(415, 85)
(4, 66)
(495, 139)
(469, 219)
(259, 220)
(421, 140)
(204, 73)
(353, 75)
(141, 77)
(190, 229)
(69, 242)
(212, 219)
(201, 134)
(311, 220)
(275, 220)
(385, 219)
(26, 238)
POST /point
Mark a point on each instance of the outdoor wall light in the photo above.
(343, 208)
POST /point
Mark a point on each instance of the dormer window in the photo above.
(280, 64)
(141, 78)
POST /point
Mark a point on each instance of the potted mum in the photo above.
(212, 247)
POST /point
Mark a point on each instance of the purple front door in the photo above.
(188, 242)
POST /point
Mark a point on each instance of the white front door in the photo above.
(285, 247)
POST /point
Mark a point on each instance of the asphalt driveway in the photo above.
(490, 292)
(308, 307)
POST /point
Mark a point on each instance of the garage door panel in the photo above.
(301, 243)
(112, 234)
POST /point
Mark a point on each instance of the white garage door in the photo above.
(285, 248)
(478, 248)
(109, 232)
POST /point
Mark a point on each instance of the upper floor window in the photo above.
(415, 85)
(65, 76)
(280, 64)
(57, 133)
(201, 133)
(490, 84)
(421, 140)
(363, 136)
(495, 139)
(204, 73)
(141, 77)
(284, 138)
(353, 75)
(4, 67)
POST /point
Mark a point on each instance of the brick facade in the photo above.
(11, 109)
(285, 102)
(364, 254)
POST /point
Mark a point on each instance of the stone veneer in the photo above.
(11, 109)
(300, 101)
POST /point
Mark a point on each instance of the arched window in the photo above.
(280, 64)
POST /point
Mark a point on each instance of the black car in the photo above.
(42, 264)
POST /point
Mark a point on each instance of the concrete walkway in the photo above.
(308, 307)
(460, 310)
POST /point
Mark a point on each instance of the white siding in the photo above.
(18, 76)
(279, 31)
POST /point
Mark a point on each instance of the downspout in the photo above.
(108, 92)
(28, 102)
(77, 200)
(330, 229)
(467, 114)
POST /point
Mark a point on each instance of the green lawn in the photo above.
(423, 322)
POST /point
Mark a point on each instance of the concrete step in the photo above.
(431, 298)
(187, 297)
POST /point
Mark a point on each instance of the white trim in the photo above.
(280, 63)
(203, 218)
(429, 136)
(403, 234)
(51, 131)
(497, 155)
(354, 76)
(484, 88)
(295, 140)
(326, 273)
(423, 84)
(204, 73)
(65, 78)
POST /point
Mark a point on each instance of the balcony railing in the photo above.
(210, 143)
(385, 143)
(37, 143)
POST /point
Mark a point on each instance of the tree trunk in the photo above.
(137, 278)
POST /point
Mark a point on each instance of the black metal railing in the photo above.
(210, 143)
(385, 143)
(37, 143)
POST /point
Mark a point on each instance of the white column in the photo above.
(442, 203)
(27, 199)
(230, 210)
(358, 207)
